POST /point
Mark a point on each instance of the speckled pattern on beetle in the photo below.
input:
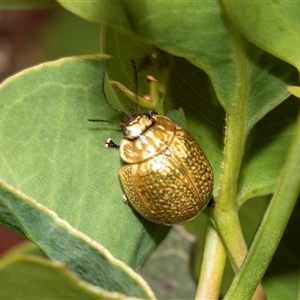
(167, 178)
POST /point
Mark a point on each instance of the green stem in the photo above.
(226, 212)
(212, 268)
(272, 227)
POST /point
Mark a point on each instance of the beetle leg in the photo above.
(211, 203)
(125, 199)
(111, 144)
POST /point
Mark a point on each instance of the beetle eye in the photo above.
(152, 113)
(126, 131)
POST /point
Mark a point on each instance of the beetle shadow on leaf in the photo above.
(157, 231)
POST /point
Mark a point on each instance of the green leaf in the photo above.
(52, 154)
(35, 278)
(217, 49)
(60, 241)
(166, 24)
(266, 151)
(272, 25)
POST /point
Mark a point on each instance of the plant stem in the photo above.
(273, 225)
(226, 212)
(212, 268)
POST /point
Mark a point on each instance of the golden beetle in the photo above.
(167, 178)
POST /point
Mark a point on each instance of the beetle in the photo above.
(166, 178)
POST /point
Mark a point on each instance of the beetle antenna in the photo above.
(135, 71)
(104, 121)
(106, 100)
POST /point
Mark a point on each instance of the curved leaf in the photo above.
(266, 151)
(60, 241)
(36, 278)
(51, 153)
(272, 25)
(214, 46)
(166, 24)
